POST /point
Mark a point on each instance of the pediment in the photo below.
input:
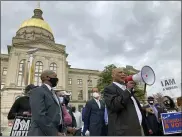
(41, 44)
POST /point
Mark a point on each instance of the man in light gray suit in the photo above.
(46, 109)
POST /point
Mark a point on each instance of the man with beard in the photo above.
(125, 115)
(21, 106)
(47, 116)
(94, 115)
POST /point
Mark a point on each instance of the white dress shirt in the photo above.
(123, 87)
(98, 102)
(78, 117)
(56, 98)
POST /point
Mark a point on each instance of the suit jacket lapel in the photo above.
(50, 93)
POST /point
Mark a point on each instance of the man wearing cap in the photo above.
(94, 115)
(21, 106)
(47, 117)
(125, 117)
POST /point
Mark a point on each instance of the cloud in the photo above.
(99, 33)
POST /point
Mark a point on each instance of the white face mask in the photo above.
(96, 95)
(61, 99)
(151, 102)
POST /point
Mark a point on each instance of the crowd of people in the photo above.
(118, 113)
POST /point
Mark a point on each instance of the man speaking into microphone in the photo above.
(125, 116)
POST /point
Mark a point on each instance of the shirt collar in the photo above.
(123, 87)
(96, 100)
(49, 87)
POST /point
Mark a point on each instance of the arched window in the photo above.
(53, 67)
(21, 73)
(38, 71)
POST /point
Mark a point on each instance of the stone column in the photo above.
(13, 66)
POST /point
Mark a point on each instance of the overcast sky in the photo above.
(100, 33)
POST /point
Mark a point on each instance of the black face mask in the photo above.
(167, 103)
(66, 100)
(151, 102)
(54, 81)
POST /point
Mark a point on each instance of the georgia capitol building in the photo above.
(36, 33)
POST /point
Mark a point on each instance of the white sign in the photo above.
(21, 126)
(168, 84)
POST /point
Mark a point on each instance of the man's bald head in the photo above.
(118, 75)
(47, 74)
(116, 70)
(95, 90)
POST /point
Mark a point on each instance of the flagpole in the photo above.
(30, 68)
(31, 65)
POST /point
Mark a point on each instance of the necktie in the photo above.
(56, 98)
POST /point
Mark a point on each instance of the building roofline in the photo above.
(84, 69)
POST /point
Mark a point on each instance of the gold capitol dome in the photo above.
(37, 21)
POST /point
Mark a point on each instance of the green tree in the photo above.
(106, 79)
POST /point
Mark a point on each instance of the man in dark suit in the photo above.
(152, 116)
(94, 115)
(47, 117)
(125, 117)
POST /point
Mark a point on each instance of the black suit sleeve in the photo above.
(39, 113)
(14, 110)
(86, 116)
(116, 102)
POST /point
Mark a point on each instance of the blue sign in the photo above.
(172, 122)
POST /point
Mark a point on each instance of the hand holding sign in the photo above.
(172, 123)
(27, 113)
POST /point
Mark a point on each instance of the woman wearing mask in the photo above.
(21, 106)
(66, 115)
(169, 105)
